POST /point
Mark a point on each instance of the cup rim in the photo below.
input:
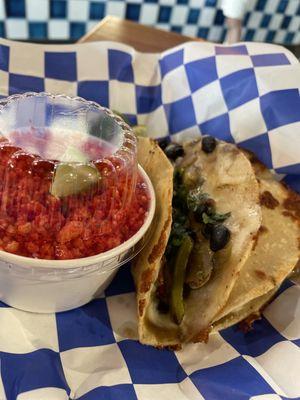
(128, 135)
(98, 258)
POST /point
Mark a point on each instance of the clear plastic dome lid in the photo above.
(69, 184)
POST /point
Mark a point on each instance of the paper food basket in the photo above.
(248, 94)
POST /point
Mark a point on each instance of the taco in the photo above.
(276, 250)
(206, 224)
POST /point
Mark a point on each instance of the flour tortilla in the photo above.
(230, 180)
(277, 248)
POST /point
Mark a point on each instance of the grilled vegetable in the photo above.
(181, 261)
(71, 179)
(200, 265)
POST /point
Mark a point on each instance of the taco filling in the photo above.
(206, 221)
(199, 237)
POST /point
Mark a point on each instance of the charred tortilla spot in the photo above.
(172, 347)
(268, 200)
(202, 336)
(260, 274)
(251, 156)
(292, 203)
(263, 229)
(255, 162)
(142, 304)
(259, 167)
(290, 215)
(246, 325)
(159, 248)
(146, 280)
(283, 184)
(175, 347)
(255, 240)
(273, 281)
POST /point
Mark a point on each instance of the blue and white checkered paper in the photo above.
(248, 94)
(275, 21)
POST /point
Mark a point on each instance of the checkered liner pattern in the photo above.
(248, 94)
(267, 20)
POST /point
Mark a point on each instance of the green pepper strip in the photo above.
(181, 261)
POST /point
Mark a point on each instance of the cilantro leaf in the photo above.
(214, 218)
(195, 198)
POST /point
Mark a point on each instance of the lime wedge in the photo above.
(70, 179)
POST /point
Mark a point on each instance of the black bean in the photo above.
(208, 144)
(173, 151)
(219, 237)
(163, 143)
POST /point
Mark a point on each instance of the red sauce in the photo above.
(34, 223)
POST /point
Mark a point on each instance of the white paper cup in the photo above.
(48, 286)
